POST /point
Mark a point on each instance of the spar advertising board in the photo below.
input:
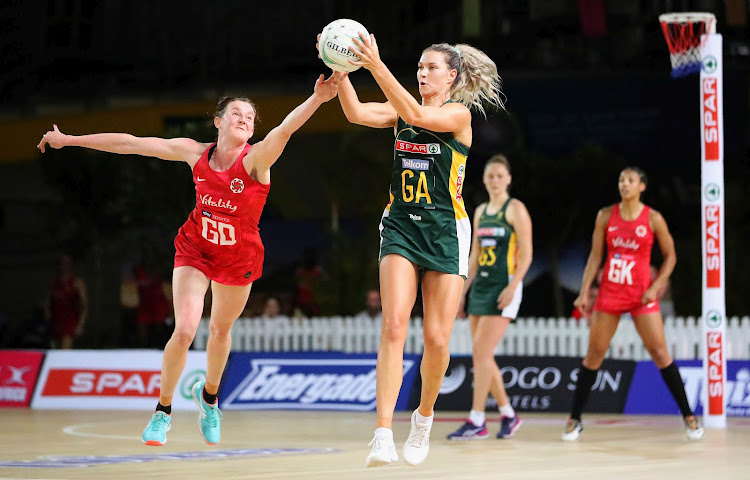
(18, 374)
(111, 379)
(649, 395)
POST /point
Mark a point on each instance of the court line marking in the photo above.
(73, 430)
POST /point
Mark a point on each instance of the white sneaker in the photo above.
(572, 430)
(418, 444)
(383, 451)
(693, 429)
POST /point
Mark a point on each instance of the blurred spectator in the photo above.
(373, 308)
(272, 308)
(129, 301)
(67, 304)
(153, 308)
(307, 278)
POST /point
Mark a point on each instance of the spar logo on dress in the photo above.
(237, 185)
(427, 148)
(460, 181)
(713, 247)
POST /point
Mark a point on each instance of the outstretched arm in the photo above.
(370, 114)
(266, 152)
(453, 117)
(177, 149)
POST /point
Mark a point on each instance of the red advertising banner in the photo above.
(715, 373)
(110, 382)
(713, 247)
(710, 119)
(18, 373)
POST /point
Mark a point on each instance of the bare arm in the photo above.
(265, 153)
(666, 244)
(595, 258)
(520, 219)
(176, 149)
(452, 117)
(371, 114)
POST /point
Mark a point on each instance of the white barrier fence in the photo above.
(564, 337)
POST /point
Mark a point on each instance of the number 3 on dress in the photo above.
(218, 233)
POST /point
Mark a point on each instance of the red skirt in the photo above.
(243, 271)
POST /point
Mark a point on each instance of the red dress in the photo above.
(65, 306)
(627, 268)
(153, 306)
(221, 237)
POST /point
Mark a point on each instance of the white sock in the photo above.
(423, 421)
(476, 417)
(507, 411)
(383, 432)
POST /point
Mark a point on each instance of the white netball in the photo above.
(335, 41)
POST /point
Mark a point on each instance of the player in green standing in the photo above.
(425, 231)
(501, 253)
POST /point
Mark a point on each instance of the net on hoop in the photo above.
(684, 32)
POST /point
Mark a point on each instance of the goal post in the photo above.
(695, 47)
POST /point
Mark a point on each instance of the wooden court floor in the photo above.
(329, 445)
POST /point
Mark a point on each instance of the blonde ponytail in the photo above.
(477, 84)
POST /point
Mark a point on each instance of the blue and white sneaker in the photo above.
(469, 431)
(155, 433)
(508, 426)
(209, 416)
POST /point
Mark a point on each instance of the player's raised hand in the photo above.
(367, 51)
(53, 138)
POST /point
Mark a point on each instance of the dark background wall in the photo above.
(588, 92)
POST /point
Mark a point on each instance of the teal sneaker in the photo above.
(209, 416)
(155, 433)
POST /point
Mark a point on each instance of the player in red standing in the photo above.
(628, 230)
(219, 244)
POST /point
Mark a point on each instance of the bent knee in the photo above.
(220, 332)
(436, 341)
(183, 337)
(660, 354)
(394, 331)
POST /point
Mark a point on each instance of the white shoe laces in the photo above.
(420, 437)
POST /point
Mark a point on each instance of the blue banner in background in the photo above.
(649, 394)
(307, 381)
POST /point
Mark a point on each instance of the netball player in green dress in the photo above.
(425, 230)
(501, 254)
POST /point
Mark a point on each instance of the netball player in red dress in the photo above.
(67, 304)
(628, 230)
(219, 244)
